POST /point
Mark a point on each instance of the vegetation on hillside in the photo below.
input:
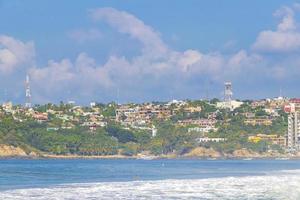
(117, 139)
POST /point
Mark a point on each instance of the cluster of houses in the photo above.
(58, 119)
(142, 116)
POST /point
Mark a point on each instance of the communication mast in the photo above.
(228, 92)
(27, 92)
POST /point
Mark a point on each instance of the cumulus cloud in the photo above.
(157, 65)
(189, 58)
(285, 38)
(15, 54)
(287, 19)
(157, 56)
(242, 58)
(157, 69)
(127, 23)
(270, 41)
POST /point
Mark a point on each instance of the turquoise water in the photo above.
(149, 179)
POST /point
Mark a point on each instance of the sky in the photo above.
(148, 50)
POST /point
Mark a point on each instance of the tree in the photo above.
(121, 134)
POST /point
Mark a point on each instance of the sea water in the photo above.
(149, 179)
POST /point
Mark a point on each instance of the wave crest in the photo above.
(283, 186)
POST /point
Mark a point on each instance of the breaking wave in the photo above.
(284, 185)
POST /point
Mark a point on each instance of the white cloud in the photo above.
(237, 59)
(272, 41)
(128, 24)
(287, 19)
(189, 58)
(242, 58)
(285, 39)
(67, 78)
(159, 66)
(156, 65)
(15, 54)
(56, 76)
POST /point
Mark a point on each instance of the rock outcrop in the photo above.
(203, 153)
(244, 153)
(11, 151)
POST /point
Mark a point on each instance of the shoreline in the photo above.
(201, 153)
(150, 157)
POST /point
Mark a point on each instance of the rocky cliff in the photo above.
(244, 153)
(11, 151)
(204, 152)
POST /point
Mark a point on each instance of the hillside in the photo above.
(187, 128)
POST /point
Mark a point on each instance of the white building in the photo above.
(206, 139)
(233, 104)
(202, 129)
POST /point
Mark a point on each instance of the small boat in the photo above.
(248, 159)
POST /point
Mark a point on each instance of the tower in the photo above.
(228, 92)
(27, 92)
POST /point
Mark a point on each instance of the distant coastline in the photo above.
(176, 129)
(10, 152)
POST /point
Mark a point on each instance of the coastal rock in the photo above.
(33, 154)
(297, 155)
(8, 151)
(244, 153)
(203, 152)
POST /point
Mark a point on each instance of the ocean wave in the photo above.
(282, 186)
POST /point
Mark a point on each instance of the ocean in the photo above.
(81, 179)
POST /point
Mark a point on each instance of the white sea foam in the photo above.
(282, 186)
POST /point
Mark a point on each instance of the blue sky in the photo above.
(148, 50)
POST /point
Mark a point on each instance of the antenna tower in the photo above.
(27, 92)
(228, 92)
